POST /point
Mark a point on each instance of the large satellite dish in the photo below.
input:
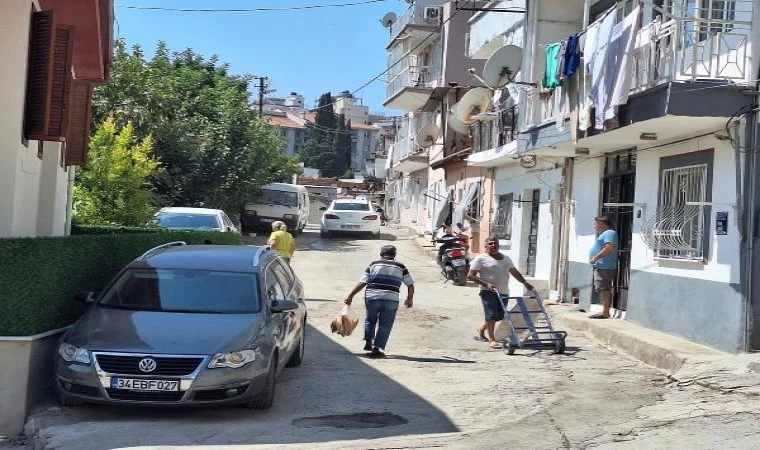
(428, 135)
(456, 124)
(502, 66)
(388, 20)
(476, 101)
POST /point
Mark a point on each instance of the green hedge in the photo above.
(39, 276)
(112, 229)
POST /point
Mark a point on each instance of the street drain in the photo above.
(349, 421)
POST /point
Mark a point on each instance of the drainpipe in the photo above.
(749, 226)
(564, 255)
(69, 199)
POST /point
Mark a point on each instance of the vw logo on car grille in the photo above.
(147, 364)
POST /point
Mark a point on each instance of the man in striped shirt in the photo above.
(383, 279)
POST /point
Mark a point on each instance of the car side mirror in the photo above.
(323, 208)
(86, 297)
(281, 306)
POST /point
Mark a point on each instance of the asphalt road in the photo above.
(438, 387)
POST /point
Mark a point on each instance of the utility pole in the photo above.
(262, 90)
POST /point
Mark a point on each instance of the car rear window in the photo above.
(351, 207)
(187, 221)
(185, 290)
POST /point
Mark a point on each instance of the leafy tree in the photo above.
(214, 148)
(114, 187)
(324, 150)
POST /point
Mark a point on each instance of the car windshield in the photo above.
(351, 207)
(277, 198)
(185, 290)
(186, 221)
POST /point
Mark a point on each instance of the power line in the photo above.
(243, 10)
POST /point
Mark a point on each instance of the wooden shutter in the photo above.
(60, 82)
(38, 74)
(78, 132)
(48, 78)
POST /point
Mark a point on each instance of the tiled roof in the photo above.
(311, 117)
(282, 122)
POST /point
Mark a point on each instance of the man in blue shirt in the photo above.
(603, 258)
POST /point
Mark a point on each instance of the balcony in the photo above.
(408, 157)
(683, 47)
(410, 88)
(411, 24)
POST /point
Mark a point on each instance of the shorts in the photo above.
(493, 311)
(604, 279)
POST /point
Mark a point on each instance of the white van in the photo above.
(278, 201)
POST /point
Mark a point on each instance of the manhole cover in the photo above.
(360, 420)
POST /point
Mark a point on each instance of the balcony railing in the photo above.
(682, 44)
(412, 16)
(410, 76)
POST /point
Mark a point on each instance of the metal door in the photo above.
(618, 189)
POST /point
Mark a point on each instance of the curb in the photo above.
(661, 350)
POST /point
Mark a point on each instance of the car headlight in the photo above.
(232, 360)
(288, 216)
(70, 353)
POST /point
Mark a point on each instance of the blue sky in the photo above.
(311, 51)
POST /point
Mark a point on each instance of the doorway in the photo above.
(618, 190)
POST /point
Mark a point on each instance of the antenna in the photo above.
(502, 66)
(476, 101)
(388, 20)
(428, 135)
(454, 122)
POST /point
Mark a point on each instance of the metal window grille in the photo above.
(679, 227)
(502, 226)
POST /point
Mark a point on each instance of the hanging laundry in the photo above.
(561, 60)
(572, 56)
(601, 86)
(589, 47)
(621, 56)
(550, 80)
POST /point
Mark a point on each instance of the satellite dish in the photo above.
(528, 161)
(475, 101)
(428, 135)
(388, 20)
(502, 66)
(456, 124)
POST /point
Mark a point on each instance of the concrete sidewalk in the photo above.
(686, 362)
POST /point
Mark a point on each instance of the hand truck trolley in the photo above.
(528, 326)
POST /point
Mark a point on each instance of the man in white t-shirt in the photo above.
(491, 271)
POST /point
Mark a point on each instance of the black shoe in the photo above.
(368, 345)
(376, 353)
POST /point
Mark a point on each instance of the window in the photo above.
(473, 207)
(283, 274)
(273, 288)
(184, 290)
(502, 226)
(681, 228)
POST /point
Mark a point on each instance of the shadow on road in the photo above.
(445, 359)
(332, 382)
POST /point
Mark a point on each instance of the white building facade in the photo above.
(40, 145)
(650, 130)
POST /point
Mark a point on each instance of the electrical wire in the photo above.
(423, 41)
(238, 10)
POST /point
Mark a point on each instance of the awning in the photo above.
(494, 157)
(472, 190)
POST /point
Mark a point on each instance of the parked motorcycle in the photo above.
(453, 262)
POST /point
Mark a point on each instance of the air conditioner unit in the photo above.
(433, 14)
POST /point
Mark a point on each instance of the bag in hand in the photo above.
(345, 322)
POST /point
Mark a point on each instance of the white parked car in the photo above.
(200, 219)
(350, 215)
